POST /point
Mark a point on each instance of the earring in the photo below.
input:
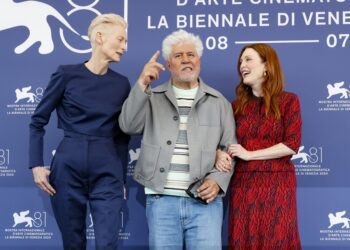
(265, 73)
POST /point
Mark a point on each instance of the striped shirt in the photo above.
(178, 178)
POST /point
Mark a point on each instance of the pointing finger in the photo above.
(154, 57)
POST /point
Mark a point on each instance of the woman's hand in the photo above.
(40, 178)
(223, 161)
(236, 150)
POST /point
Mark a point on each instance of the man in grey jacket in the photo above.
(183, 122)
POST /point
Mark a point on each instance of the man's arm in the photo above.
(133, 115)
(228, 137)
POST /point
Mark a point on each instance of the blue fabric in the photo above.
(90, 163)
(175, 222)
(86, 103)
(85, 170)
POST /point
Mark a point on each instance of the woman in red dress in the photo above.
(263, 211)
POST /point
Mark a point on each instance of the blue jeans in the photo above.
(175, 221)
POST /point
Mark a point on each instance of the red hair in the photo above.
(272, 87)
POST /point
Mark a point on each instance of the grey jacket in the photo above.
(155, 115)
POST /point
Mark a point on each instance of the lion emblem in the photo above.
(21, 218)
(32, 15)
(24, 94)
(301, 155)
(336, 89)
(338, 219)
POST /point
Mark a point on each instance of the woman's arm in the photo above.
(52, 97)
(276, 151)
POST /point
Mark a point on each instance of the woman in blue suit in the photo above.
(88, 165)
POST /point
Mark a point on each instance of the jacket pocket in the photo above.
(147, 162)
(207, 161)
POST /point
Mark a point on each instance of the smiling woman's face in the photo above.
(252, 68)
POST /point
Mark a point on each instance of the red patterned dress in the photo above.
(263, 211)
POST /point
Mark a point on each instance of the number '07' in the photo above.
(216, 42)
(333, 40)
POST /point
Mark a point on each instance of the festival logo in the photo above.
(22, 217)
(337, 89)
(338, 219)
(309, 161)
(25, 100)
(28, 225)
(5, 167)
(337, 98)
(15, 14)
(133, 157)
(338, 228)
(24, 94)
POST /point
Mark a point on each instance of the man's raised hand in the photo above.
(150, 71)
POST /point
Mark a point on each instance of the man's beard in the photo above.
(187, 78)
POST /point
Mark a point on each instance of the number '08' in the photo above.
(220, 42)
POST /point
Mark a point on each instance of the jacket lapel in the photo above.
(166, 88)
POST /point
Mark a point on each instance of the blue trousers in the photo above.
(175, 222)
(87, 169)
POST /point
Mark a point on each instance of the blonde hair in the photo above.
(101, 21)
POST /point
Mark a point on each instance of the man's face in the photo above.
(114, 42)
(184, 63)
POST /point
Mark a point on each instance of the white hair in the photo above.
(99, 23)
(181, 37)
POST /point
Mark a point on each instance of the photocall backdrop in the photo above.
(310, 36)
